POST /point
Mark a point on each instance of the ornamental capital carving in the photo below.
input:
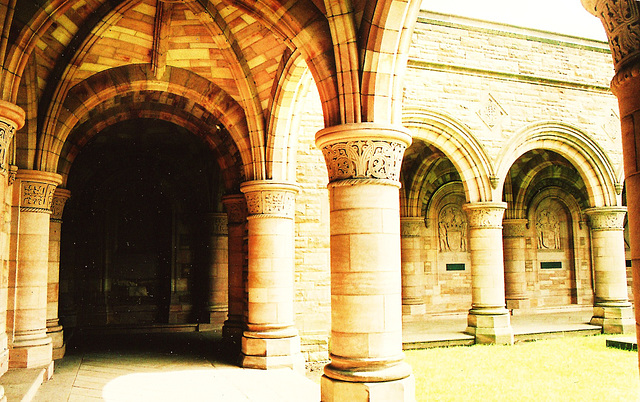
(270, 199)
(621, 21)
(218, 224)
(36, 190)
(485, 215)
(410, 226)
(514, 227)
(363, 151)
(236, 207)
(12, 119)
(60, 197)
(606, 218)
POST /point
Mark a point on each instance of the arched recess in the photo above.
(108, 114)
(458, 144)
(291, 87)
(584, 154)
(109, 84)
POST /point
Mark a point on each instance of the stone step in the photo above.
(22, 384)
(625, 343)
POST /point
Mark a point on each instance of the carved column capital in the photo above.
(218, 223)
(621, 21)
(236, 207)
(36, 190)
(485, 215)
(60, 197)
(410, 226)
(270, 199)
(363, 151)
(606, 218)
(514, 227)
(12, 119)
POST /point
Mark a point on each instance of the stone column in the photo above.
(33, 197)
(612, 309)
(621, 20)
(412, 267)
(54, 329)
(515, 276)
(271, 340)
(12, 119)
(236, 208)
(489, 321)
(218, 268)
(363, 161)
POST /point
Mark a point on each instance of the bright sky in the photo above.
(561, 16)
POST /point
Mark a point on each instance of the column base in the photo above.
(56, 334)
(217, 317)
(4, 354)
(614, 319)
(270, 353)
(30, 356)
(518, 304)
(414, 309)
(492, 326)
(398, 390)
(232, 331)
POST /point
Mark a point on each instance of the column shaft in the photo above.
(271, 339)
(364, 161)
(218, 268)
(612, 309)
(413, 291)
(236, 208)
(488, 319)
(31, 346)
(54, 329)
(515, 276)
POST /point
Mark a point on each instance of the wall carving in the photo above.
(410, 226)
(36, 196)
(364, 159)
(621, 21)
(514, 227)
(548, 230)
(452, 229)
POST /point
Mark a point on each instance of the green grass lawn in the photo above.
(565, 369)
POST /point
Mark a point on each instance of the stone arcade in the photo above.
(290, 172)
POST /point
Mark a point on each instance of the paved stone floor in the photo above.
(196, 366)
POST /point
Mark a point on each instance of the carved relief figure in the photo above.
(548, 228)
(452, 229)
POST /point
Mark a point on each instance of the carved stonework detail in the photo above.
(270, 199)
(410, 226)
(13, 171)
(548, 228)
(606, 218)
(622, 23)
(492, 114)
(364, 159)
(611, 126)
(60, 197)
(6, 135)
(236, 207)
(452, 229)
(514, 227)
(219, 224)
(36, 196)
(483, 215)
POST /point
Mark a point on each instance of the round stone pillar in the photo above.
(236, 207)
(33, 196)
(12, 119)
(363, 161)
(270, 339)
(612, 309)
(54, 329)
(515, 276)
(218, 268)
(489, 321)
(412, 267)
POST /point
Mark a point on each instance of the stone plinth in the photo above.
(363, 162)
(236, 207)
(54, 329)
(612, 309)
(270, 339)
(515, 278)
(489, 321)
(32, 200)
